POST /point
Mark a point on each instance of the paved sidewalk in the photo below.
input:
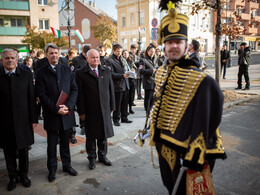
(38, 151)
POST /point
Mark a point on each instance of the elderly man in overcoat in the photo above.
(18, 116)
(95, 103)
(51, 80)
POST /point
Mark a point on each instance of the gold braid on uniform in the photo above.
(179, 90)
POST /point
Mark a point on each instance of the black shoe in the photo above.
(51, 176)
(82, 131)
(131, 112)
(70, 171)
(105, 161)
(12, 183)
(73, 140)
(92, 163)
(40, 118)
(133, 104)
(238, 88)
(25, 181)
(116, 123)
(246, 88)
(126, 121)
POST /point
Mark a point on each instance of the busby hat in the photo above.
(173, 25)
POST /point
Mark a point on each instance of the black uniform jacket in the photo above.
(96, 100)
(49, 85)
(118, 71)
(146, 68)
(18, 109)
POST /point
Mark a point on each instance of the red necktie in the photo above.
(95, 72)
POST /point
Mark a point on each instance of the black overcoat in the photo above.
(18, 109)
(118, 71)
(48, 88)
(78, 62)
(146, 69)
(96, 100)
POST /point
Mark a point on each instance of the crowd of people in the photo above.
(184, 103)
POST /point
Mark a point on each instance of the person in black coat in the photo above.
(132, 67)
(102, 54)
(147, 69)
(80, 61)
(77, 63)
(96, 101)
(51, 80)
(224, 56)
(121, 85)
(193, 51)
(18, 116)
(243, 61)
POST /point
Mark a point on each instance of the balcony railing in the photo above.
(15, 5)
(12, 31)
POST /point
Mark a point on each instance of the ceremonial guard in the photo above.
(187, 108)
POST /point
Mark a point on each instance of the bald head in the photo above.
(93, 58)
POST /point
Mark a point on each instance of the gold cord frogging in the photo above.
(181, 87)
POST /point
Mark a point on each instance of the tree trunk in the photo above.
(217, 50)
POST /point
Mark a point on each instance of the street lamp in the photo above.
(139, 28)
(69, 11)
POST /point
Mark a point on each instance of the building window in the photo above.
(42, 2)
(123, 21)
(16, 22)
(44, 24)
(132, 18)
(1, 22)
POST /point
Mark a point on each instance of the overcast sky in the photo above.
(107, 6)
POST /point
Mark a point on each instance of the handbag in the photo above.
(200, 183)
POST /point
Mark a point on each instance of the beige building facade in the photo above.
(15, 15)
(249, 11)
(128, 22)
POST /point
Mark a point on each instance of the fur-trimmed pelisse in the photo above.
(173, 25)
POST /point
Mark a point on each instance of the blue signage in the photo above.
(154, 34)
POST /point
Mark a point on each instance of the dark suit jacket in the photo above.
(44, 61)
(48, 88)
(118, 71)
(195, 57)
(78, 62)
(146, 69)
(96, 100)
(18, 109)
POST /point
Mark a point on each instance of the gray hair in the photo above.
(8, 50)
(90, 51)
(50, 45)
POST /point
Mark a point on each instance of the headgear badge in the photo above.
(173, 25)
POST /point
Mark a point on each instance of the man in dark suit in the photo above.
(96, 101)
(51, 80)
(193, 51)
(18, 116)
(80, 61)
(121, 85)
(77, 63)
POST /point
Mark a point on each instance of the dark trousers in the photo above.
(73, 131)
(169, 175)
(11, 165)
(243, 70)
(121, 106)
(224, 65)
(91, 147)
(39, 108)
(138, 87)
(131, 96)
(52, 137)
(148, 98)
